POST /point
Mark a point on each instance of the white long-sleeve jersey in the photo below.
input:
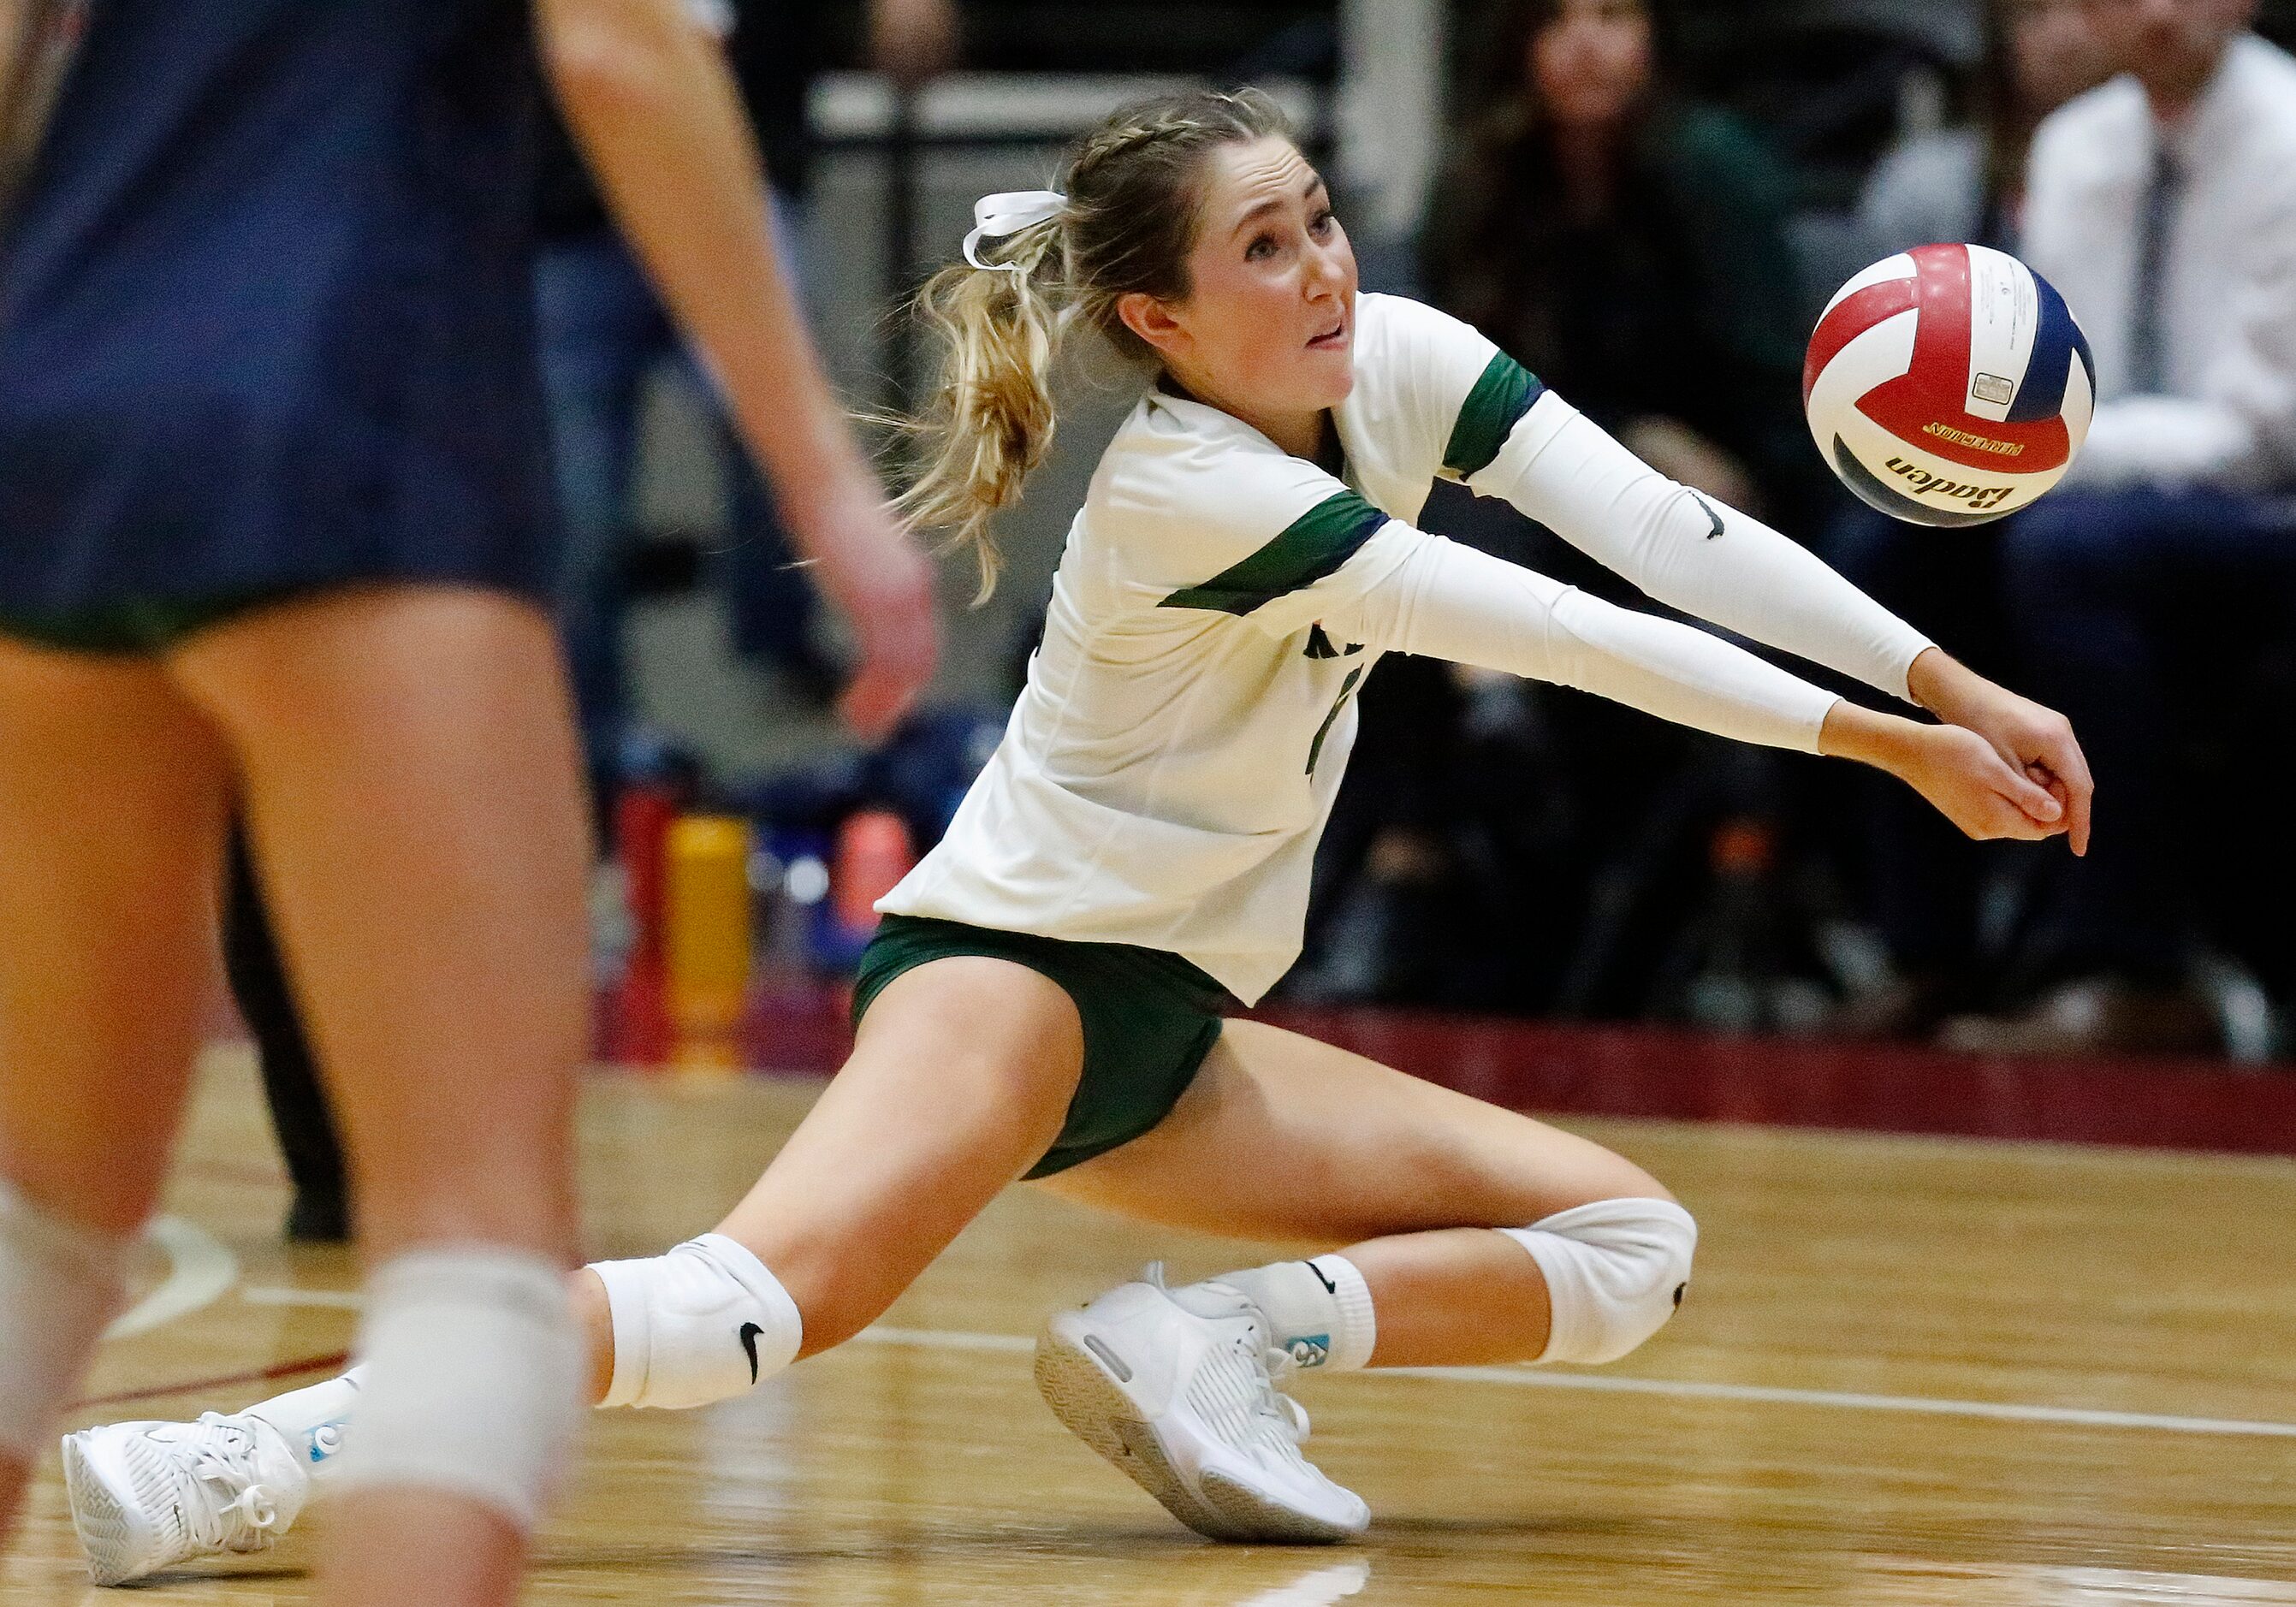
(1172, 761)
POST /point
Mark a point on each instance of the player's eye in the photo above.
(1262, 246)
(1320, 224)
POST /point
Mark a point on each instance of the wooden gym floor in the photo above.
(1913, 1370)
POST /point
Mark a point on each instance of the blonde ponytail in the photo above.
(990, 421)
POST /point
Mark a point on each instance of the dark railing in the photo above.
(904, 138)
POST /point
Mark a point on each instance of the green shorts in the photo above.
(1149, 1017)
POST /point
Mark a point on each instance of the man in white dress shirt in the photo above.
(2163, 205)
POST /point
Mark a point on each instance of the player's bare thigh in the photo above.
(1283, 1137)
(958, 1082)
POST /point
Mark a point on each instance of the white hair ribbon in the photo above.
(995, 217)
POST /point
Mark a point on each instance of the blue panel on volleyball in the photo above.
(2056, 345)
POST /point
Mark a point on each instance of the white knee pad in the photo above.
(60, 1283)
(700, 1325)
(472, 1381)
(1615, 1271)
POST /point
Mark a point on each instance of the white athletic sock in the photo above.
(311, 1421)
(1320, 1310)
(704, 1322)
(60, 1283)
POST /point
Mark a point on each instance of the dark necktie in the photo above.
(2147, 345)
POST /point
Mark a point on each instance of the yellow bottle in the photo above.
(706, 940)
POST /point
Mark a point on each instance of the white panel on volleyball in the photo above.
(2005, 317)
(2079, 406)
(1900, 266)
(1872, 358)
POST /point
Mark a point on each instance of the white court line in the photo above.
(1932, 1405)
(1529, 1378)
(200, 1268)
(337, 1299)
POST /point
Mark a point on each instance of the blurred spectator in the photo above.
(1967, 183)
(1924, 881)
(2149, 587)
(1630, 248)
(604, 332)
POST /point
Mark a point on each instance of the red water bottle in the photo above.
(637, 1023)
(874, 853)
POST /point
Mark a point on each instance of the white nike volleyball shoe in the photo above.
(1183, 1399)
(147, 1496)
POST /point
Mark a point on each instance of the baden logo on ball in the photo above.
(1948, 385)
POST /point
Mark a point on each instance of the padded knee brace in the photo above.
(473, 1377)
(60, 1283)
(703, 1323)
(1615, 1271)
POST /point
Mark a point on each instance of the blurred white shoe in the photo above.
(1182, 1398)
(147, 1496)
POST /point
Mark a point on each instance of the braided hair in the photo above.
(1133, 185)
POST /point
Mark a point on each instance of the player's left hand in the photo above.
(2038, 740)
(876, 574)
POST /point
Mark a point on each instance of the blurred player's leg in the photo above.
(980, 1057)
(111, 810)
(411, 787)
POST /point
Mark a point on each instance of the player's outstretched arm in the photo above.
(1692, 553)
(1695, 553)
(647, 93)
(1441, 600)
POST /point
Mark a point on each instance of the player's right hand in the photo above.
(876, 574)
(2036, 741)
(1972, 785)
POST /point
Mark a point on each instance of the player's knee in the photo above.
(1615, 1271)
(60, 1283)
(703, 1323)
(472, 1375)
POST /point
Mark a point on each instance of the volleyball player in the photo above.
(274, 525)
(1045, 995)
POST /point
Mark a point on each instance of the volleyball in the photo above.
(1948, 385)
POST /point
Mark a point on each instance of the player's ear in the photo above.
(1152, 321)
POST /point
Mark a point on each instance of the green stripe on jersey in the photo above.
(1347, 690)
(1500, 397)
(1312, 547)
